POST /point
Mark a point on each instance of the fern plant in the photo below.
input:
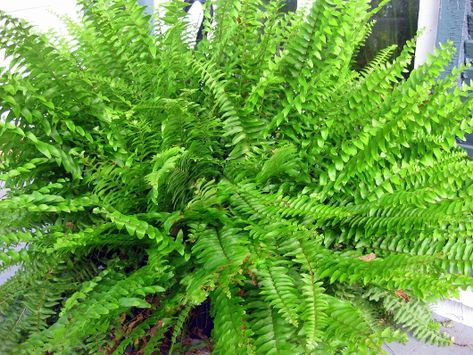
(316, 208)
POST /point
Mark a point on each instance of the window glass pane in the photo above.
(396, 23)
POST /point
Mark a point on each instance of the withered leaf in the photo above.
(403, 295)
(368, 257)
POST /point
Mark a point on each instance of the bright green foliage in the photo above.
(318, 209)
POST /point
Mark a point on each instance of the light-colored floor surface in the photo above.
(463, 342)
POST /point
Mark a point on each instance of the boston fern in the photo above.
(311, 208)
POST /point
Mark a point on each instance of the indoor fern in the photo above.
(318, 209)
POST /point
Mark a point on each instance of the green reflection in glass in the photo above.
(395, 24)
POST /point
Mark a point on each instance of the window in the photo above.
(396, 23)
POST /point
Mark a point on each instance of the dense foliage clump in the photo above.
(311, 207)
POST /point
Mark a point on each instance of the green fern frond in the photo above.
(314, 311)
(272, 334)
(316, 207)
(415, 317)
(279, 290)
(231, 328)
